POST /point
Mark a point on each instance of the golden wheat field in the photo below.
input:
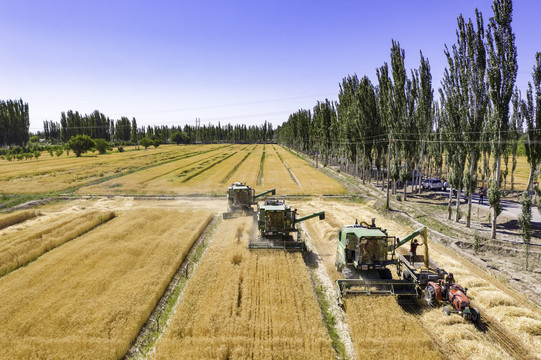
(244, 304)
(58, 173)
(382, 330)
(28, 243)
(88, 298)
(215, 168)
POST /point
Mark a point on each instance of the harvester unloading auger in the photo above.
(241, 198)
(277, 223)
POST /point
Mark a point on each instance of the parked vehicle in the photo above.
(432, 184)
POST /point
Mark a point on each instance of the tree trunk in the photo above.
(497, 181)
(450, 205)
(458, 191)
(472, 188)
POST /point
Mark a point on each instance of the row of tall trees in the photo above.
(397, 125)
(98, 126)
(14, 123)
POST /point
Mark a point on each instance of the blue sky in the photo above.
(168, 62)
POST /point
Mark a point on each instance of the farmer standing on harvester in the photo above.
(413, 250)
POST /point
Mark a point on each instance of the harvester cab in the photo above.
(276, 223)
(241, 198)
(363, 255)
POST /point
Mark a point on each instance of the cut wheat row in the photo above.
(21, 247)
(89, 298)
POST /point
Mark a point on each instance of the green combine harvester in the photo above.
(277, 223)
(241, 198)
(364, 254)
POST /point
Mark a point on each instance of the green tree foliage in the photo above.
(101, 145)
(146, 142)
(531, 110)
(14, 123)
(501, 75)
(80, 144)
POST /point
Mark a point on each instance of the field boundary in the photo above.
(261, 168)
(333, 317)
(160, 317)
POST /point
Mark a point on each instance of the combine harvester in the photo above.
(363, 255)
(277, 223)
(241, 198)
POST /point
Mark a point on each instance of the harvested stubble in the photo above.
(89, 298)
(382, 330)
(17, 218)
(21, 247)
(310, 178)
(519, 317)
(246, 305)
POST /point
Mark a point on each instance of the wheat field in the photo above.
(312, 181)
(58, 173)
(243, 304)
(88, 298)
(382, 330)
(20, 247)
(162, 179)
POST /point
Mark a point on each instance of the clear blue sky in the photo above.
(168, 62)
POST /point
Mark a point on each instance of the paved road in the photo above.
(510, 208)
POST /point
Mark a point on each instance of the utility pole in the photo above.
(197, 134)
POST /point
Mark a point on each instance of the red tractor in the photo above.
(449, 292)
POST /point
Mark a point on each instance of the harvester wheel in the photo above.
(385, 274)
(430, 295)
(447, 311)
(475, 315)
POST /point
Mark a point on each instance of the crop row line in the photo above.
(189, 177)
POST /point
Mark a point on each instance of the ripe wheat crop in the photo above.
(382, 330)
(89, 298)
(57, 173)
(21, 247)
(248, 170)
(243, 304)
(311, 180)
(155, 179)
(276, 175)
(16, 218)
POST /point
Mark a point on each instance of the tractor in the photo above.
(276, 223)
(454, 296)
(241, 198)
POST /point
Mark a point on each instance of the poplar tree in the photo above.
(501, 75)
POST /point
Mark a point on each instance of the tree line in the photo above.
(395, 130)
(98, 126)
(14, 123)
